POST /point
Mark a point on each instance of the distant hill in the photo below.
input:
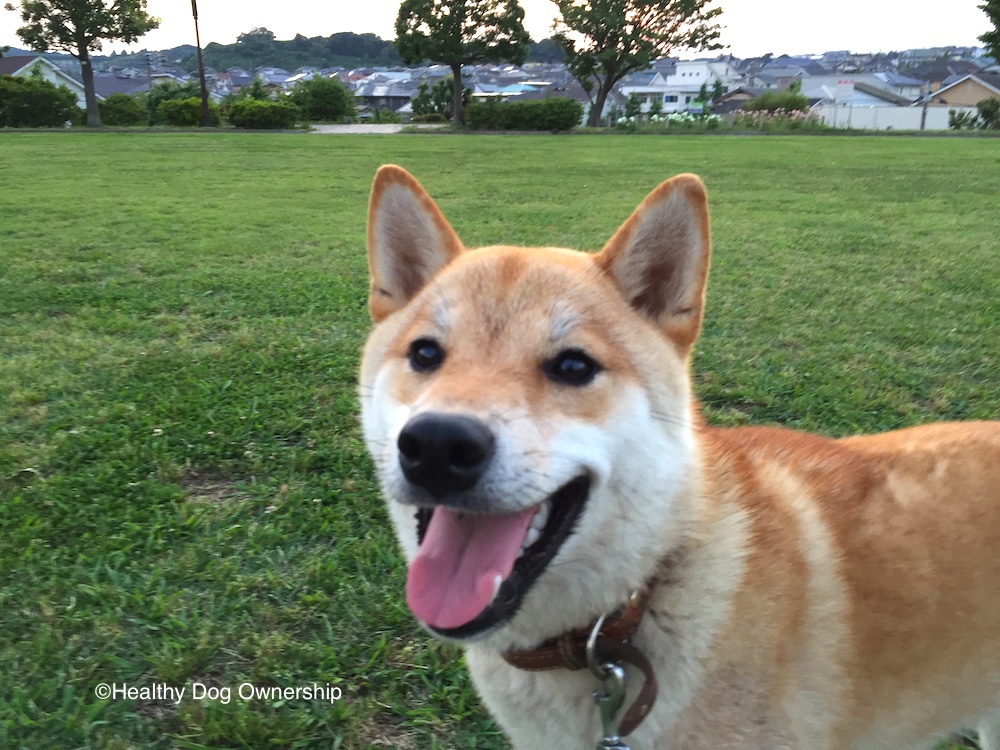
(258, 48)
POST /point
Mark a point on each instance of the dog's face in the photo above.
(529, 409)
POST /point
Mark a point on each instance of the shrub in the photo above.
(186, 113)
(778, 121)
(122, 109)
(633, 106)
(384, 117)
(252, 114)
(432, 117)
(34, 102)
(162, 92)
(322, 99)
(552, 114)
(773, 101)
(989, 113)
(962, 120)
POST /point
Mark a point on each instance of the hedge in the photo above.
(186, 113)
(124, 110)
(554, 114)
(33, 102)
(263, 115)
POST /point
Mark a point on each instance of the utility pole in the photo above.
(927, 98)
(206, 120)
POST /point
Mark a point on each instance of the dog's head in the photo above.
(529, 410)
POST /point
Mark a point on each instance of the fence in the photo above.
(886, 118)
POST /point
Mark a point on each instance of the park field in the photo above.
(185, 499)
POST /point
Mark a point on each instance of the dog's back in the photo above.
(871, 590)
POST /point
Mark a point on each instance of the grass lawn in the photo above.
(185, 495)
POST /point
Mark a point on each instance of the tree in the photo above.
(991, 39)
(79, 27)
(461, 32)
(322, 98)
(605, 40)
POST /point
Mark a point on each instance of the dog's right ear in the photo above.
(409, 240)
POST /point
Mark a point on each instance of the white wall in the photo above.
(886, 118)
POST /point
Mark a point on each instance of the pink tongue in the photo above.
(452, 577)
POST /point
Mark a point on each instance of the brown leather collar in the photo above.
(569, 651)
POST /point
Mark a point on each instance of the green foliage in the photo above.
(436, 100)
(323, 99)
(346, 49)
(604, 40)
(256, 90)
(786, 101)
(962, 120)
(251, 114)
(186, 113)
(461, 32)
(383, 116)
(34, 102)
(432, 117)
(633, 105)
(991, 39)
(655, 106)
(989, 113)
(545, 51)
(162, 92)
(80, 27)
(554, 114)
(123, 110)
(778, 121)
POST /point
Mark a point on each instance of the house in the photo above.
(911, 88)
(935, 73)
(391, 95)
(863, 90)
(22, 66)
(968, 90)
(734, 99)
(106, 85)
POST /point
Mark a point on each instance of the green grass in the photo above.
(185, 494)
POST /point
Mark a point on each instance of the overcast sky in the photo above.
(751, 27)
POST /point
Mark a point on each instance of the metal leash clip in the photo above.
(610, 695)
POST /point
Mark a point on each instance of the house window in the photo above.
(670, 98)
(687, 99)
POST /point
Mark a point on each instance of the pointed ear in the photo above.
(409, 240)
(659, 258)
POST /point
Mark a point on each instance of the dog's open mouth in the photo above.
(472, 570)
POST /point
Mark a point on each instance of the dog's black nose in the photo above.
(444, 453)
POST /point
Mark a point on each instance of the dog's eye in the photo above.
(572, 367)
(425, 355)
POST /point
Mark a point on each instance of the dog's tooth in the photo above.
(531, 537)
(541, 517)
(497, 582)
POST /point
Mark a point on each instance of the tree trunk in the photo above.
(458, 111)
(87, 72)
(594, 118)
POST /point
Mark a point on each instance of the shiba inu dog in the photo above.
(531, 415)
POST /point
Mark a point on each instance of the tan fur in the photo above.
(807, 593)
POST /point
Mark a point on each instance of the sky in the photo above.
(750, 27)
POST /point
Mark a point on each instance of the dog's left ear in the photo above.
(659, 258)
(409, 240)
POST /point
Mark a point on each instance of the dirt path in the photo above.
(364, 129)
